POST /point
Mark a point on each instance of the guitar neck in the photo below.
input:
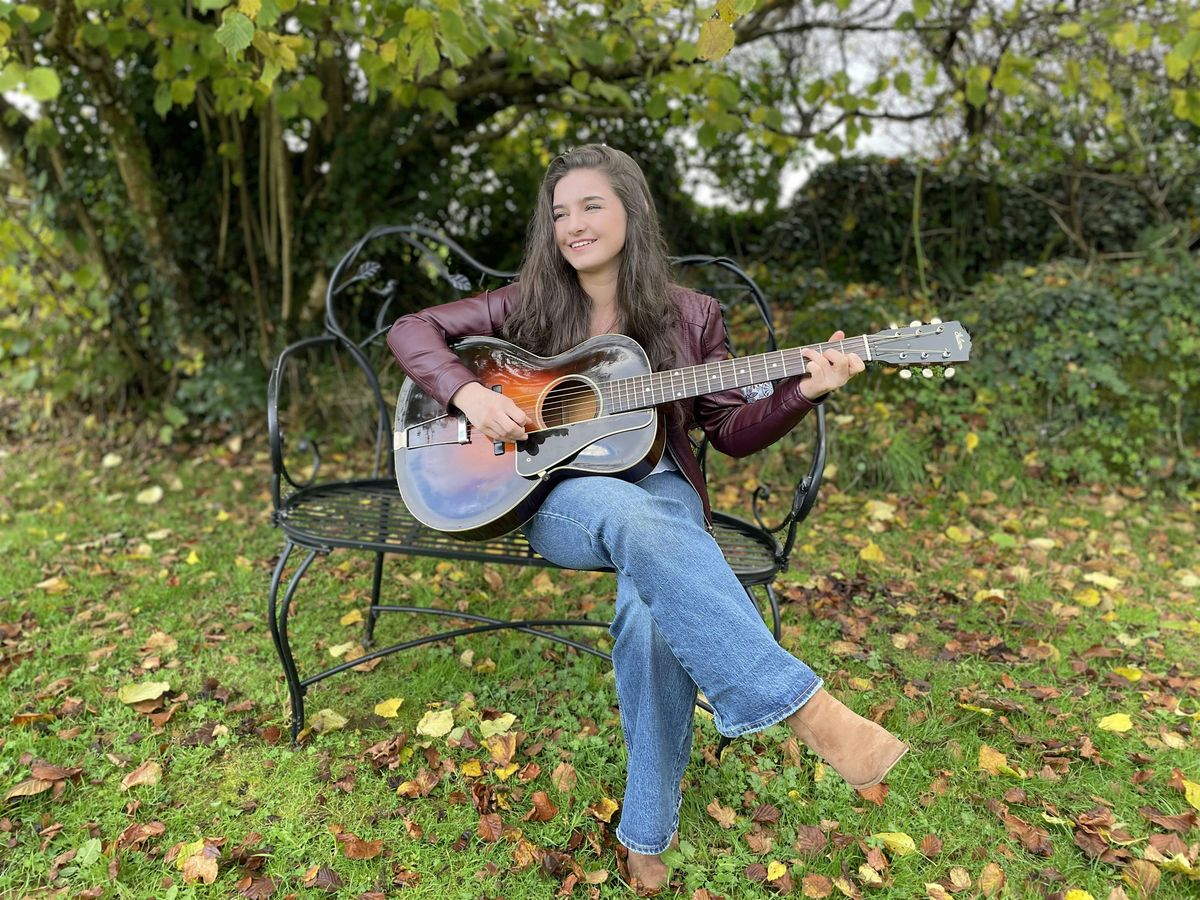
(644, 391)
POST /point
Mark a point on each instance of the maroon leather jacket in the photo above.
(733, 425)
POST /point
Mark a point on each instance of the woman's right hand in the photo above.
(491, 412)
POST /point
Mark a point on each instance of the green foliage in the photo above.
(55, 337)
(1096, 369)
(1077, 374)
(853, 219)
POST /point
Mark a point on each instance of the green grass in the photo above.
(959, 634)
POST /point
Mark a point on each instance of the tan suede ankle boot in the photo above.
(858, 749)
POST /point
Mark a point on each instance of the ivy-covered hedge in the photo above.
(854, 220)
(1077, 373)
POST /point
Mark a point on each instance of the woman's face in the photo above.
(589, 222)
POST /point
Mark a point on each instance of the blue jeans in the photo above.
(682, 621)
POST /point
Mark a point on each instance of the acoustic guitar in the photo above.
(594, 412)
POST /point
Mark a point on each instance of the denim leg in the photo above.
(684, 599)
(657, 698)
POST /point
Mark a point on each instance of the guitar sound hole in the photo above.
(571, 400)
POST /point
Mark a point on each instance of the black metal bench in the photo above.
(367, 513)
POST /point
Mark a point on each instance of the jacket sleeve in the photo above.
(420, 341)
(733, 425)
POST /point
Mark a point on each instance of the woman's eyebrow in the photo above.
(581, 200)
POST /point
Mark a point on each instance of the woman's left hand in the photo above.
(829, 370)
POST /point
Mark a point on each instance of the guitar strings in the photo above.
(789, 356)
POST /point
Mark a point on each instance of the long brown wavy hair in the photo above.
(555, 312)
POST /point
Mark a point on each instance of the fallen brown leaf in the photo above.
(354, 847)
(490, 827)
(543, 810)
(564, 778)
(724, 815)
(149, 772)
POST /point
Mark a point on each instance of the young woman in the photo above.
(595, 262)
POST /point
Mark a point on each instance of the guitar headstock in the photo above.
(937, 343)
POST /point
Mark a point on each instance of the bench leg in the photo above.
(278, 616)
(776, 624)
(373, 613)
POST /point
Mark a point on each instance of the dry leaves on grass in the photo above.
(148, 773)
(44, 776)
(354, 847)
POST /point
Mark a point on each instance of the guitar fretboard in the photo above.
(644, 391)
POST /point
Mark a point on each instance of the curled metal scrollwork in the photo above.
(309, 444)
(763, 492)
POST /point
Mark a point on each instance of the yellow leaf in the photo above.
(150, 495)
(1076, 894)
(861, 684)
(192, 558)
(338, 650)
(995, 763)
(244, 564)
(1119, 722)
(436, 723)
(775, 869)
(604, 809)
(147, 690)
(1087, 597)
(897, 841)
(872, 553)
(501, 725)
(716, 39)
(1105, 581)
(352, 618)
(472, 769)
(55, 585)
(505, 772)
(972, 441)
(880, 511)
(187, 851)
(1180, 865)
(389, 708)
(327, 720)
(1191, 792)
(979, 709)
(957, 535)
(1042, 543)
(1129, 674)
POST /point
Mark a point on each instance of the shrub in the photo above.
(1077, 374)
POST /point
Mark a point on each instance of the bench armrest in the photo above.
(279, 472)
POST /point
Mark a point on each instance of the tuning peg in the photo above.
(928, 373)
(906, 373)
(935, 321)
(915, 323)
(948, 372)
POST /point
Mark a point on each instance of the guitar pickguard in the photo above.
(551, 447)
